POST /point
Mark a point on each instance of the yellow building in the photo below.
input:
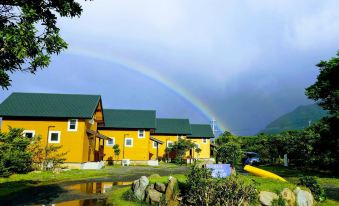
(201, 134)
(87, 132)
(130, 129)
(61, 119)
(168, 131)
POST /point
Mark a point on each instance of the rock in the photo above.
(160, 187)
(266, 198)
(154, 176)
(139, 187)
(288, 196)
(172, 190)
(303, 198)
(153, 196)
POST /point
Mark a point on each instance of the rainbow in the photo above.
(153, 74)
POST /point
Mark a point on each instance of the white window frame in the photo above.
(204, 140)
(170, 142)
(129, 138)
(50, 136)
(112, 138)
(69, 124)
(155, 145)
(28, 131)
(143, 133)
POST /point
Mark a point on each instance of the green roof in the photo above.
(49, 105)
(126, 118)
(201, 130)
(173, 126)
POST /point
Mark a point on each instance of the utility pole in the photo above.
(214, 126)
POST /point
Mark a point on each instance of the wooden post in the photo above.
(157, 150)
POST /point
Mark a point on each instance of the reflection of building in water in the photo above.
(92, 202)
(95, 187)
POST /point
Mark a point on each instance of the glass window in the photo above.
(54, 137)
(204, 140)
(128, 142)
(110, 142)
(72, 124)
(154, 144)
(169, 144)
(29, 133)
(141, 133)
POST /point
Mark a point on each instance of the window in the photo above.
(169, 144)
(204, 140)
(129, 142)
(72, 125)
(110, 142)
(141, 133)
(154, 144)
(29, 133)
(54, 137)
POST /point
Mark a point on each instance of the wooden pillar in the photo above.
(157, 150)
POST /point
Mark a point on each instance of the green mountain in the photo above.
(298, 119)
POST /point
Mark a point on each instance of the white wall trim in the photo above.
(29, 131)
(50, 136)
(204, 140)
(69, 124)
(143, 132)
(131, 141)
(107, 144)
(169, 142)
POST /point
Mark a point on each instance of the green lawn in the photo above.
(18, 182)
(327, 180)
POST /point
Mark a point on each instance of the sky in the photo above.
(242, 63)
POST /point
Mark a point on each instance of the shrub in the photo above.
(129, 196)
(312, 184)
(202, 190)
(14, 158)
(45, 156)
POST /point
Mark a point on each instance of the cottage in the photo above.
(70, 120)
(201, 135)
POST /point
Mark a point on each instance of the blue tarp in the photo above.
(219, 170)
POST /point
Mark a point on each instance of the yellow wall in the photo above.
(162, 147)
(139, 150)
(72, 141)
(205, 148)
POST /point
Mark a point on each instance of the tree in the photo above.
(116, 150)
(14, 158)
(45, 157)
(29, 34)
(180, 147)
(229, 152)
(326, 89)
(198, 151)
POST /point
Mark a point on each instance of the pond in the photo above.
(67, 194)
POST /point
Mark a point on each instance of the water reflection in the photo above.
(91, 202)
(85, 194)
(94, 187)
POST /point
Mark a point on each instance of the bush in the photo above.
(202, 190)
(13, 155)
(312, 184)
(129, 196)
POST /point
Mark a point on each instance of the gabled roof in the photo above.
(201, 131)
(49, 105)
(129, 119)
(173, 126)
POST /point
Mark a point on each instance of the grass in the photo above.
(327, 180)
(18, 182)
(115, 197)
